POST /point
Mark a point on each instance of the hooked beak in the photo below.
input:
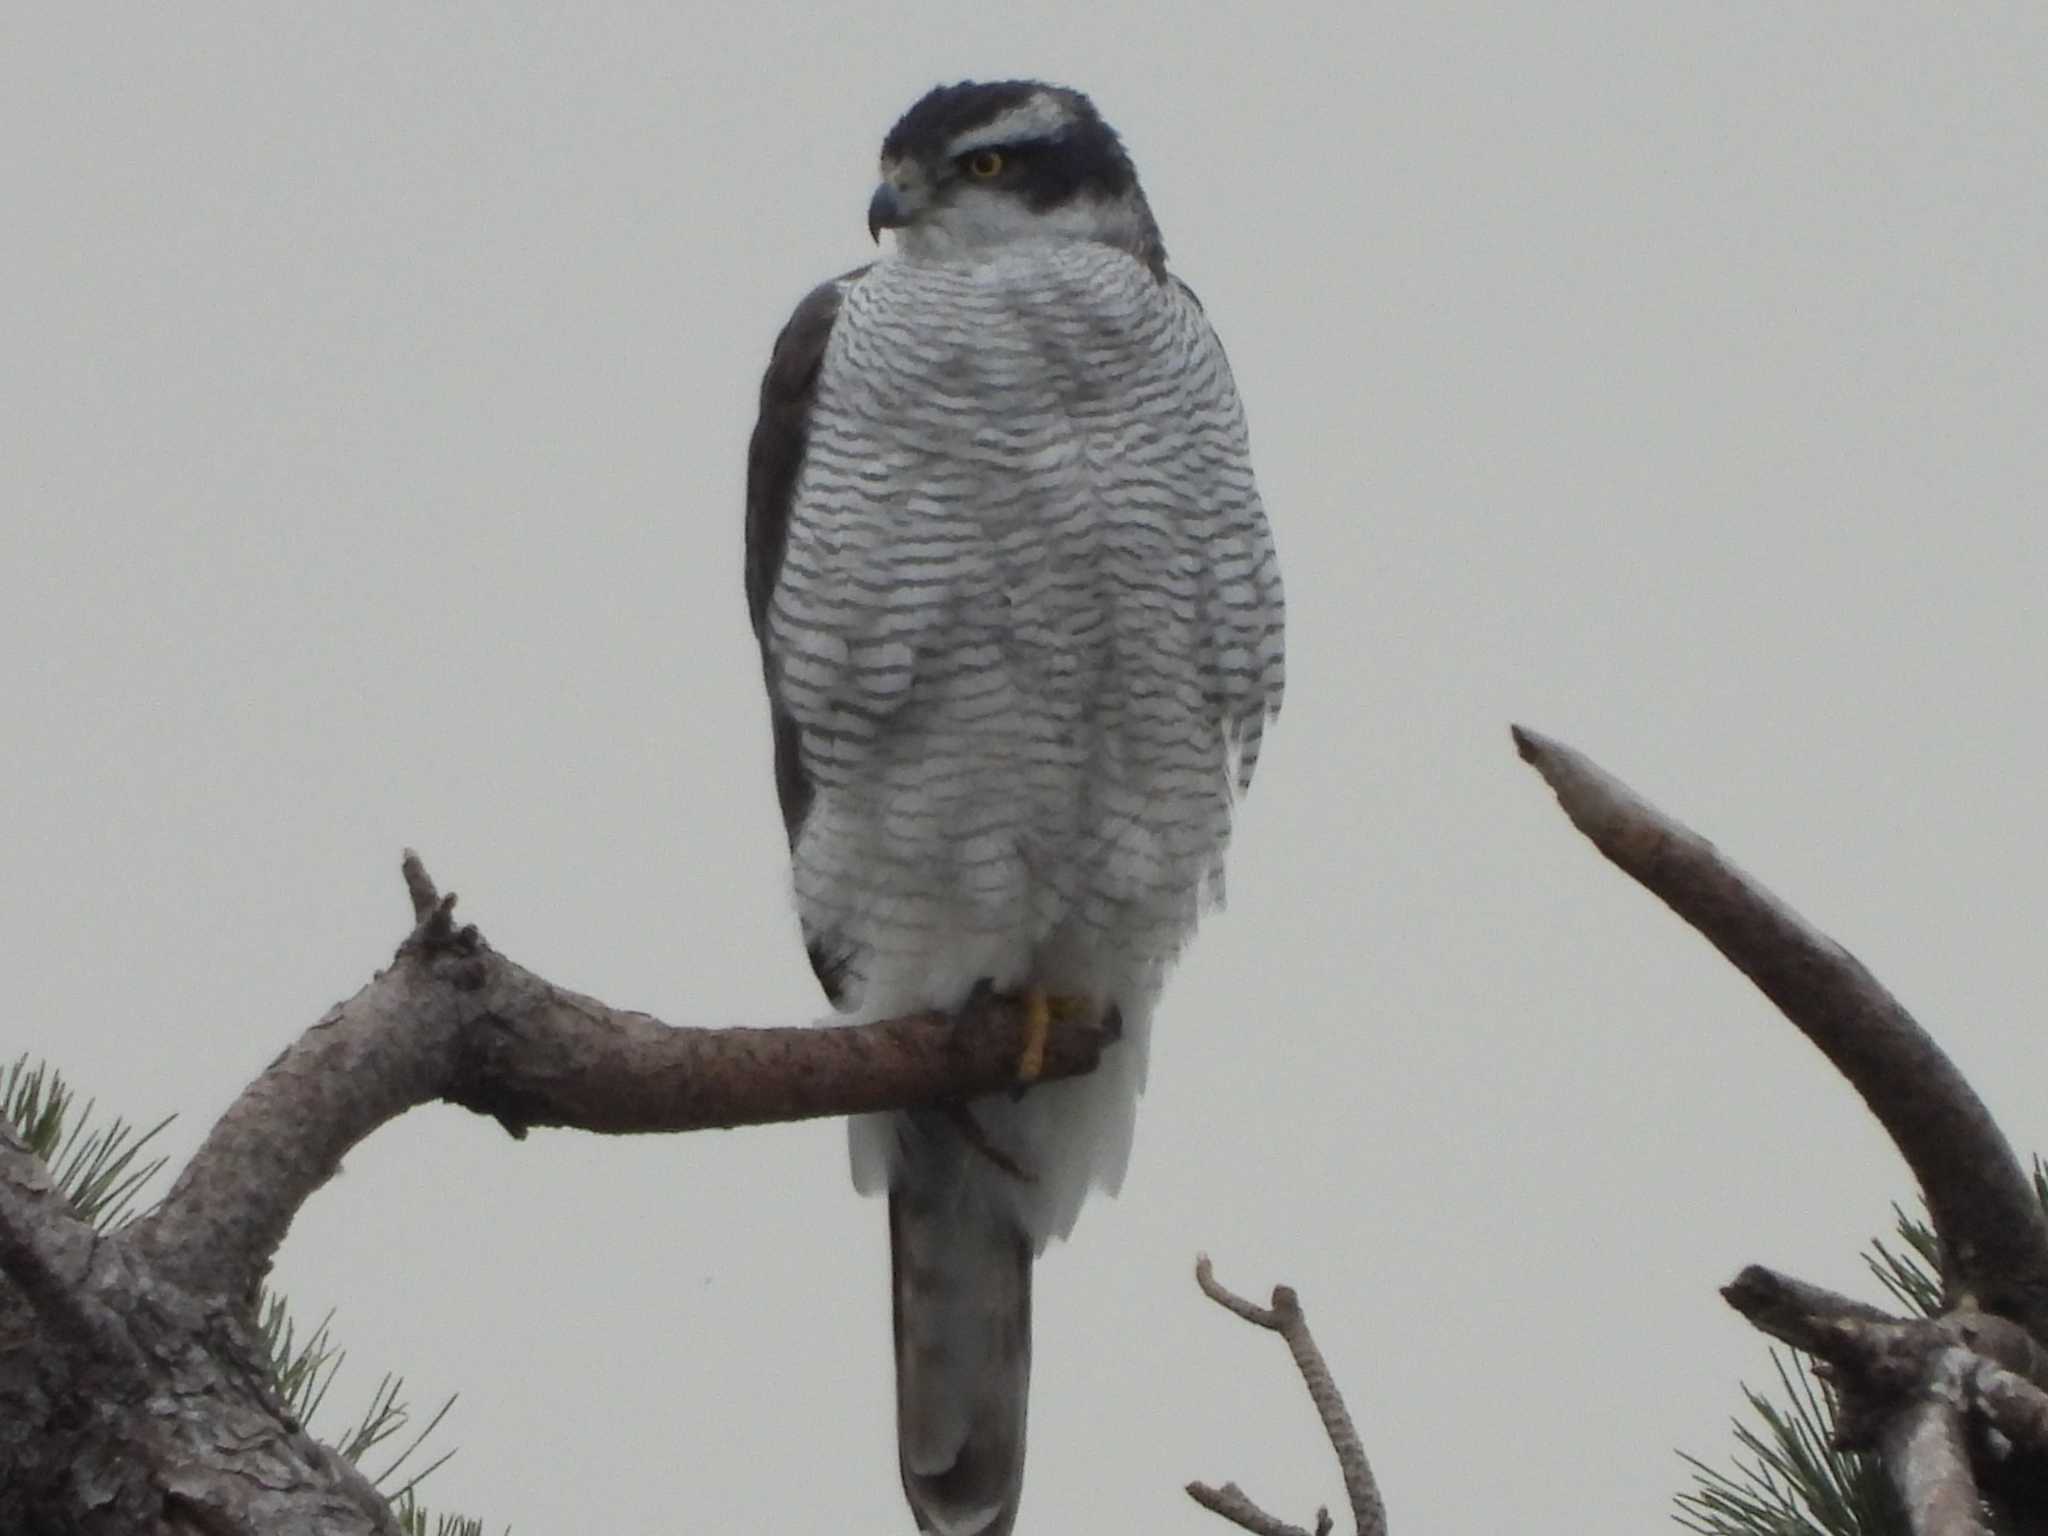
(886, 210)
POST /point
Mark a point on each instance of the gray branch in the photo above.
(1927, 1460)
(1876, 1353)
(1238, 1507)
(1807, 1317)
(1993, 1233)
(1285, 1317)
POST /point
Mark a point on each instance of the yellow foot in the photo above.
(1040, 1009)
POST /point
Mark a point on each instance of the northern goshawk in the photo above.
(1021, 625)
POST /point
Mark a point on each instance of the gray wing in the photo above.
(775, 455)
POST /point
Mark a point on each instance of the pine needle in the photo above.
(97, 1169)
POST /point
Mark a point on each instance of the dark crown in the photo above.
(1082, 157)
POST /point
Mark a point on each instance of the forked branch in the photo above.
(1285, 1317)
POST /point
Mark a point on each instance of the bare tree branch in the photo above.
(1805, 1316)
(452, 1019)
(1286, 1318)
(1229, 1300)
(1236, 1506)
(1994, 1235)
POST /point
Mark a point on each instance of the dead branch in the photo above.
(1805, 1316)
(1236, 1506)
(1972, 1361)
(1285, 1317)
(1993, 1233)
(1912, 1389)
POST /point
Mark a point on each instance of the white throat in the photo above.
(976, 223)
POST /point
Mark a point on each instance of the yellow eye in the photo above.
(985, 163)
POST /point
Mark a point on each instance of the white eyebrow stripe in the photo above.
(1039, 118)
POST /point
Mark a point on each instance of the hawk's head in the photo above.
(975, 165)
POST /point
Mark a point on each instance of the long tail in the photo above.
(961, 1277)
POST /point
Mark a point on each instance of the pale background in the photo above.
(373, 396)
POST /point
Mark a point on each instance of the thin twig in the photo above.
(1232, 1503)
(1994, 1235)
(1223, 1296)
(1286, 1318)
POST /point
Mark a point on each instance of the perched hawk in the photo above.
(1020, 621)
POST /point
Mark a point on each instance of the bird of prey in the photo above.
(1021, 628)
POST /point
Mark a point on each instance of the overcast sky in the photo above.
(374, 384)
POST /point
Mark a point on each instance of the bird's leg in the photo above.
(1041, 1008)
(970, 1011)
(963, 1121)
(1037, 1025)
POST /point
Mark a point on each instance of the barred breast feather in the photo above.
(1027, 624)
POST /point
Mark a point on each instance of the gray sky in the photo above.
(373, 394)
